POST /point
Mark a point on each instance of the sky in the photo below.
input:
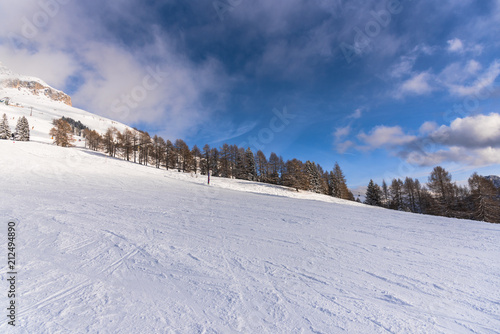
(387, 88)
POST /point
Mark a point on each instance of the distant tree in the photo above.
(110, 141)
(214, 161)
(62, 134)
(92, 139)
(313, 177)
(22, 129)
(440, 185)
(205, 165)
(4, 128)
(250, 170)
(170, 155)
(396, 191)
(294, 176)
(385, 194)
(261, 165)
(485, 199)
(125, 142)
(338, 183)
(144, 148)
(274, 167)
(225, 161)
(373, 194)
(196, 158)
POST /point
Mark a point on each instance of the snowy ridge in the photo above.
(7, 74)
(40, 111)
(115, 247)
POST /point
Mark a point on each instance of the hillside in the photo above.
(115, 247)
(40, 108)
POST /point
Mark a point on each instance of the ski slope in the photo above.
(107, 246)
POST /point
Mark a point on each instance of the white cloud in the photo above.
(474, 132)
(74, 43)
(383, 136)
(356, 114)
(427, 127)
(342, 132)
(418, 84)
(455, 45)
(486, 79)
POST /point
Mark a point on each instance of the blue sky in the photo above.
(386, 88)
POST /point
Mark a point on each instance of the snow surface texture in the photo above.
(107, 246)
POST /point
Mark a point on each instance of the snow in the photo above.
(111, 246)
(40, 111)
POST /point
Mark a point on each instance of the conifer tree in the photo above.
(261, 165)
(23, 129)
(385, 194)
(485, 199)
(312, 176)
(4, 128)
(373, 194)
(396, 191)
(250, 169)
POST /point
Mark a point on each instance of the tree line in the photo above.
(480, 200)
(229, 161)
(440, 196)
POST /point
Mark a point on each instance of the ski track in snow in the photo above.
(107, 246)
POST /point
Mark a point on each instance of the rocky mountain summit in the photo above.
(35, 86)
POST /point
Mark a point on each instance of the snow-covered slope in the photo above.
(40, 110)
(106, 246)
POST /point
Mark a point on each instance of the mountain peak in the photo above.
(32, 85)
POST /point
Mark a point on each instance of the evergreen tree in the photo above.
(22, 129)
(339, 184)
(485, 199)
(62, 134)
(274, 169)
(396, 191)
(373, 194)
(251, 173)
(262, 166)
(385, 194)
(312, 176)
(225, 161)
(4, 128)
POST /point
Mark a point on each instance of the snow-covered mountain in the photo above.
(31, 97)
(109, 246)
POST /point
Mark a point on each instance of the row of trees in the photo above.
(228, 161)
(440, 196)
(22, 132)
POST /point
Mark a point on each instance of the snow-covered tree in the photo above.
(22, 129)
(313, 177)
(4, 128)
